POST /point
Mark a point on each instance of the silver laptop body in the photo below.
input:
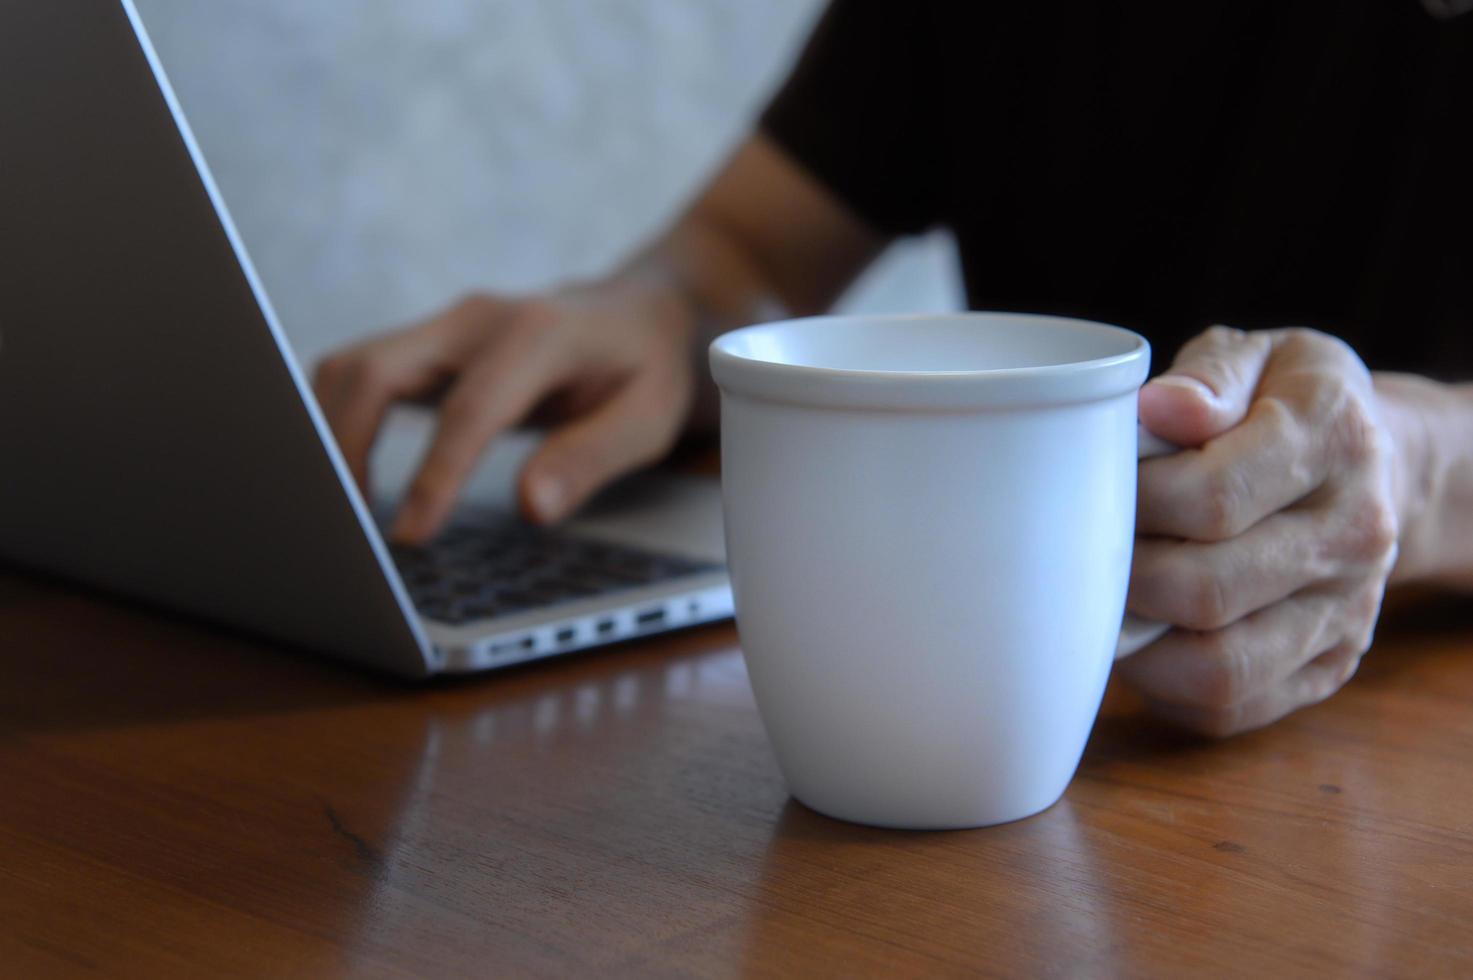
(158, 440)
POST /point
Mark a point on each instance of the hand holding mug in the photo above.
(1269, 540)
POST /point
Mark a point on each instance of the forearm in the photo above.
(1431, 426)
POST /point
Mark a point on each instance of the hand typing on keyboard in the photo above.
(610, 367)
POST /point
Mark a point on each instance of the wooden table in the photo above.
(176, 801)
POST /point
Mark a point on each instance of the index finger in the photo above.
(496, 392)
(1233, 482)
(1283, 451)
(356, 388)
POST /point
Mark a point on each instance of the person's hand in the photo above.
(1268, 544)
(609, 367)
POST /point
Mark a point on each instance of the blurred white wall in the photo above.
(382, 156)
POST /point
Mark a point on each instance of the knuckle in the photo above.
(1330, 344)
(1273, 411)
(1368, 604)
(1180, 588)
(1375, 530)
(1222, 338)
(1318, 395)
(1310, 344)
(474, 305)
(370, 372)
(463, 324)
(1338, 666)
(1224, 675)
(1347, 671)
(1220, 504)
(460, 410)
(1283, 426)
(1216, 354)
(1300, 340)
(1367, 535)
(536, 316)
(1219, 364)
(1358, 438)
(1359, 639)
(1202, 603)
(1259, 340)
(1223, 371)
(533, 328)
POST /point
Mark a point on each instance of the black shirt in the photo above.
(1165, 165)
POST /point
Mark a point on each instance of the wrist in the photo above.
(1420, 416)
(1401, 404)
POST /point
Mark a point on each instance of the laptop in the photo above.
(158, 439)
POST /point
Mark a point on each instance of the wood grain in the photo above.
(175, 801)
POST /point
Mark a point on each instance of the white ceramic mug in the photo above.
(929, 523)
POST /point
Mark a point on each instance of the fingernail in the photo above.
(1186, 383)
(548, 494)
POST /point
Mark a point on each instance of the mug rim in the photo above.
(1088, 379)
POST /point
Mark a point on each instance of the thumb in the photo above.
(1208, 388)
(632, 428)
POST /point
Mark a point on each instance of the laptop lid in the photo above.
(157, 438)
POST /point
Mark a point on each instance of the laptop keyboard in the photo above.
(501, 566)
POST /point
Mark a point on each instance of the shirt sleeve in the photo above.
(858, 112)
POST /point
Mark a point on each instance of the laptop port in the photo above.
(528, 642)
(566, 635)
(650, 617)
(605, 627)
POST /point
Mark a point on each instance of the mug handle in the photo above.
(1134, 631)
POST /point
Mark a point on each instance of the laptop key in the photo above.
(481, 610)
(477, 571)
